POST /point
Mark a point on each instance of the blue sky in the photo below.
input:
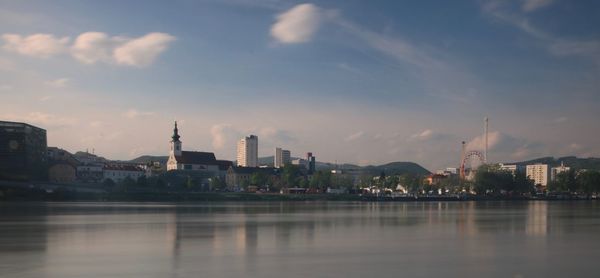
(364, 82)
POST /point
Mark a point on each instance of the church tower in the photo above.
(175, 143)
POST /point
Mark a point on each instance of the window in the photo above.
(187, 167)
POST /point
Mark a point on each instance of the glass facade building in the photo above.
(22, 152)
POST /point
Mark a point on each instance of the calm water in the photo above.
(494, 239)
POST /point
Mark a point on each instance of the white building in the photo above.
(247, 151)
(118, 173)
(282, 157)
(539, 173)
(557, 170)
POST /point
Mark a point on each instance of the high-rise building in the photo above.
(23, 150)
(247, 151)
(282, 157)
(539, 173)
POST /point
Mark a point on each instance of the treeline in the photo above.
(584, 182)
(491, 180)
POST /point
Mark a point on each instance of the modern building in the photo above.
(22, 152)
(557, 170)
(247, 151)
(539, 173)
(281, 158)
(193, 161)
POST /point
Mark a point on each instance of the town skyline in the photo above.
(363, 84)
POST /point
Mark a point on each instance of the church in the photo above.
(196, 161)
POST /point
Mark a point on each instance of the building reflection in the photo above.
(537, 218)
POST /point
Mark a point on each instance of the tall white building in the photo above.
(282, 157)
(539, 173)
(247, 151)
(557, 170)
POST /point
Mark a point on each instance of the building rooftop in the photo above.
(188, 157)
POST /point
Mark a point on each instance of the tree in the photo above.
(289, 173)
(109, 184)
(589, 181)
(142, 181)
(523, 184)
(217, 184)
(128, 184)
(490, 180)
(410, 181)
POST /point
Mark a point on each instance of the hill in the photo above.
(392, 168)
(150, 158)
(576, 163)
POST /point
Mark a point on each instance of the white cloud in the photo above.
(45, 120)
(354, 136)
(223, 135)
(297, 25)
(142, 51)
(423, 135)
(532, 5)
(134, 113)
(58, 83)
(36, 45)
(94, 47)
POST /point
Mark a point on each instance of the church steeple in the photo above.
(175, 143)
(175, 136)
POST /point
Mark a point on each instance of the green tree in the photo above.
(289, 173)
(411, 182)
(523, 184)
(258, 179)
(216, 183)
(589, 181)
(127, 184)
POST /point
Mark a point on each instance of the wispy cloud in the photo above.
(36, 45)
(58, 83)
(532, 5)
(297, 25)
(555, 45)
(93, 47)
(43, 119)
(134, 113)
(354, 136)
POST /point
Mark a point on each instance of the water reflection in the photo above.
(298, 239)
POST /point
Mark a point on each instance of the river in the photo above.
(301, 239)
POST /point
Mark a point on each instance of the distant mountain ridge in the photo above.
(392, 168)
(574, 162)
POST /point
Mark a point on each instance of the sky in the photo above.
(364, 82)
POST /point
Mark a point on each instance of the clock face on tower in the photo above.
(13, 145)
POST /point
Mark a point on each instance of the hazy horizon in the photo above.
(351, 81)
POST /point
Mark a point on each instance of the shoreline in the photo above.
(58, 195)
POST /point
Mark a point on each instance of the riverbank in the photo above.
(62, 194)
